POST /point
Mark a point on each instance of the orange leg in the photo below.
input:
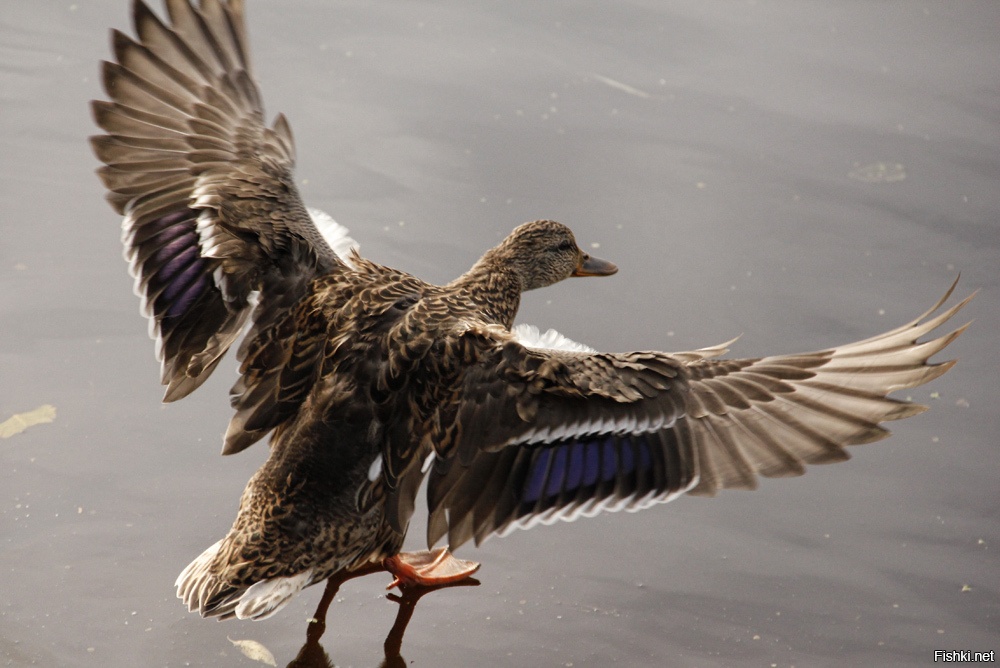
(428, 568)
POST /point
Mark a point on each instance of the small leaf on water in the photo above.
(254, 650)
(18, 422)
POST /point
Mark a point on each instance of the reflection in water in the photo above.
(312, 654)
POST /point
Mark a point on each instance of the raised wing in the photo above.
(549, 434)
(211, 210)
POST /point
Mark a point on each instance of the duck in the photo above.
(369, 381)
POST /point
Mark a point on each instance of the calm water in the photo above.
(707, 149)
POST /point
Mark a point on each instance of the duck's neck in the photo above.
(493, 289)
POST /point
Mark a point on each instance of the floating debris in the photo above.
(18, 422)
(624, 87)
(254, 650)
(878, 172)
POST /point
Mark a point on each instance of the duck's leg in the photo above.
(317, 625)
(428, 568)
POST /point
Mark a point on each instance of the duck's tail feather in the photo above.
(203, 590)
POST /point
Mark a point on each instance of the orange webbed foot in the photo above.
(428, 568)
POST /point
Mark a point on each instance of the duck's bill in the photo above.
(595, 266)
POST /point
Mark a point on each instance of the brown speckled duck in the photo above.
(369, 379)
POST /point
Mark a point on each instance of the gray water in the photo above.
(707, 149)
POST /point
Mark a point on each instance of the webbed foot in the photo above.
(428, 568)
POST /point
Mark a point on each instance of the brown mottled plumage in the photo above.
(370, 379)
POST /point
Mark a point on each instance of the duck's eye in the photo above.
(565, 246)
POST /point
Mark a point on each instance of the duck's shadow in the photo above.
(312, 654)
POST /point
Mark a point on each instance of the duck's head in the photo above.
(544, 252)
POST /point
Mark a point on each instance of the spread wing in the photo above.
(211, 211)
(548, 434)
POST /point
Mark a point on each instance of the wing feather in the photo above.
(558, 433)
(211, 212)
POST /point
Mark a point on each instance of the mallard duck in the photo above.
(370, 380)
